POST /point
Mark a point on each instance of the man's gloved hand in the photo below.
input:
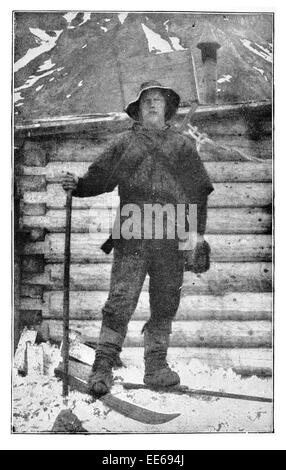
(69, 181)
(198, 259)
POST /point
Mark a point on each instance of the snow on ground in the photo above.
(37, 401)
(47, 43)
(224, 78)
(261, 71)
(18, 97)
(155, 42)
(263, 52)
(122, 17)
(86, 17)
(176, 44)
(69, 17)
(47, 65)
(166, 25)
(159, 45)
(32, 80)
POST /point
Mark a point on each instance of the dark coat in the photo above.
(150, 166)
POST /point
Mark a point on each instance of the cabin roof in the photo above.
(74, 123)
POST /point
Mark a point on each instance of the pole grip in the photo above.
(66, 300)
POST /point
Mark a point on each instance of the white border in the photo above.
(129, 442)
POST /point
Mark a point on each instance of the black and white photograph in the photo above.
(143, 222)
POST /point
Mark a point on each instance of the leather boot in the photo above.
(157, 371)
(108, 349)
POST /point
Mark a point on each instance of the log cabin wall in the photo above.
(225, 315)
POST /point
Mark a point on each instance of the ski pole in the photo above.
(66, 300)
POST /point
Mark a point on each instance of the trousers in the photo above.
(164, 264)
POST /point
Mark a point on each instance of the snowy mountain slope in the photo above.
(67, 62)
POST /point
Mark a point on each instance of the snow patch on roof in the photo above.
(68, 96)
(122, 17)
(47, 43)
(103, 28)
(224, 78)
(84, 46)
(264, 53)
(47, 65)
(155, 42)
(176, 44)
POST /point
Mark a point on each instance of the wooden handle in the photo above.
(66, 301)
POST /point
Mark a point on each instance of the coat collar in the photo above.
(140, 129)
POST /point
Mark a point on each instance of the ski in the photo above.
(184, 390)
(77, 378)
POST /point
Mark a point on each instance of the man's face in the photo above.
(152, 108)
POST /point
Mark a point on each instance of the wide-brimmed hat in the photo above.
(172, 100)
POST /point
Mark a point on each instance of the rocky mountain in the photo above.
(68, 63)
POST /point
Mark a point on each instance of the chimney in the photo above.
(209, 45)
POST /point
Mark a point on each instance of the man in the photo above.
(151, 164)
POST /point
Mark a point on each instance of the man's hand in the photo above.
(69, 181)
(198, 259)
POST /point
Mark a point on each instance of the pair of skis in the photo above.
(76, 373)
(78, 376)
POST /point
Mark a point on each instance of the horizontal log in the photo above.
(94, 276)
(27, 305)
(32, 183)
(85, 247)
(246, 362)
(33, 263)
(218, 171)
(255, 147)
(221, 277)
(97, 277)
(234, 132)
(34, 153)
(55, 198)
(32, 292)
(234, 127)
(220, 220)
(212, 334)
(76, 150)
(224, 195)
(233, 148)
(234, 306)
(34, 209)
